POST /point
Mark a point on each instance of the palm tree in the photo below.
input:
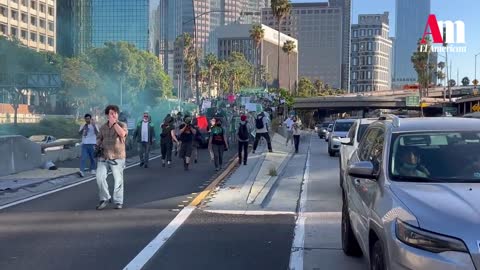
(288, 48)
(441, 66)
(220, 70)
(280, 9)
(257, 33)
(210, 62)
(318, 86)
(185, 42)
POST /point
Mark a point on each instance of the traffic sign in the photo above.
(412, 101)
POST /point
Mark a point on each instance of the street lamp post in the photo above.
(197, 64)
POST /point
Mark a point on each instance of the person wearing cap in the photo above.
(243, 137)
(187, 134)
(145, 137)
(167, 138)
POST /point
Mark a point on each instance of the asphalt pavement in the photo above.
(64, 231)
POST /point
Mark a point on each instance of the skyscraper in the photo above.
(318, 27)
(411, 19)
(94, 22)
(371, 53)
(346, 6)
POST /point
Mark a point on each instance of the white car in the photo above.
(351, 142)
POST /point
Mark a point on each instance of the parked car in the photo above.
(322, 129)
(412, 194)
(339, 130)
(327, 133)
(351, 142)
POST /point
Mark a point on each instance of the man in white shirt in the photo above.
(145, 136)
(288, 124)
(89, 133)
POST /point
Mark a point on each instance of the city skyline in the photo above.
(444, 10)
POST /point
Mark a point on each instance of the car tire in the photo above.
(349, 241)
(377, 257)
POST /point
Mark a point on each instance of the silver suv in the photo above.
(411, 199)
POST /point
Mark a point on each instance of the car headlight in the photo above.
(336, 138)
(428, 241)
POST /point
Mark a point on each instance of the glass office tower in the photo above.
(411, 19)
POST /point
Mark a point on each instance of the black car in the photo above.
(322, 130)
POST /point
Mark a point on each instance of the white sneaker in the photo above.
(93, 172)
(81, 174)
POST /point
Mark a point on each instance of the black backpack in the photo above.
(243, 132)
(259, 122)
(165, 131)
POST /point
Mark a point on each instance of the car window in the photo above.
(351, 132)
(376, 153)
(436, 156)
(367, 144)
(342, 126)
(361, 131)
(325, 125)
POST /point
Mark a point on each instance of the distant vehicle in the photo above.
(327, 133)
(351, 142)
(322, 129)
(339, 130)
(42, 138)
(411, 195)
(472, 115)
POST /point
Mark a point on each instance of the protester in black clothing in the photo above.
(218, 143)
(167, 138)
(187, 134)
(243, 137)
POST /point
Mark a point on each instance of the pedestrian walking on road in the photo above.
(296, 134)
(187, 134)
(144, 135)
(167, 139)
(89, 133)
(218, 143)
(243, 137)
(261, 124)
(197, 140)
(111, 141)
(288, 125)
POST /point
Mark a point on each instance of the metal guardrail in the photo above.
(65, 143)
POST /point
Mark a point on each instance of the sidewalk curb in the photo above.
(267, 188)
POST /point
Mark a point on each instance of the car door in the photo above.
(356, 188)
(347, 150)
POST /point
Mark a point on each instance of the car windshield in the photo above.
(436, 157)
(343, 126)
(325, 125)
(361, 131)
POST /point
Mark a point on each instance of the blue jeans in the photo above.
(88, 154)
(117, 166)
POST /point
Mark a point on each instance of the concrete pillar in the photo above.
(53, 102)
(36, 98)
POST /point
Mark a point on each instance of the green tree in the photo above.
(210, 62)
(280, 9)
(305, 87)
(257, 33)
(441, 75)
(319, 86)
(220, 69)
(465, 81)
(452, 83)
(288, 47)
(239, 72)
(16, 61)
(423, 66)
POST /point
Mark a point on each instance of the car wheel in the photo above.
(377, 258)
(349, 242)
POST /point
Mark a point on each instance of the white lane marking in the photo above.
(250, 213)
(297, 251)
(62, 188)
(152, 248)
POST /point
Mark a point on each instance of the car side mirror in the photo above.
(362, 169)
(346, 141)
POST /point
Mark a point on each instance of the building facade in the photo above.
(236, 38)
(346, 6)
(92, 23)
(371, 54)
(318, 27)
(411, 19)
(33, 22)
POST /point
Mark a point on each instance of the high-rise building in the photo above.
(236, 38)
(411, 19)
(318, 27)
(346, 6)
(371, 53)
(95, 22)
(32, 22)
